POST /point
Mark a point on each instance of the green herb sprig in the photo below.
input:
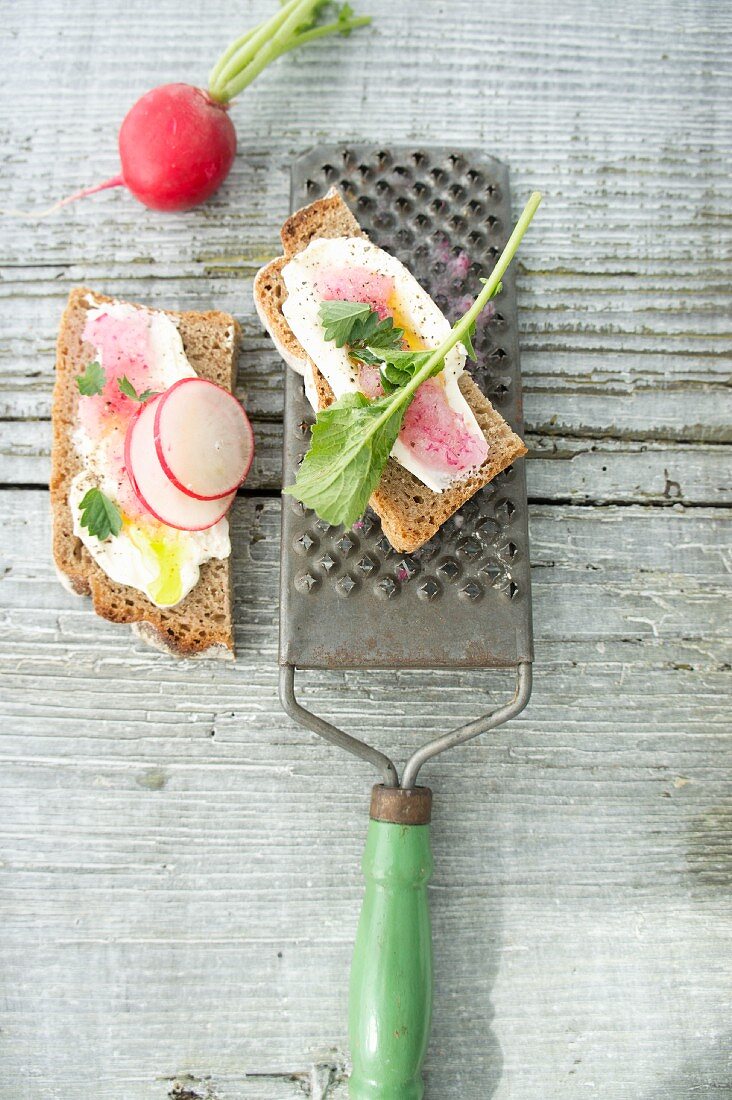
(92, 381)
(358, 326)
(353, 438)
(126, 387)
(100, 515)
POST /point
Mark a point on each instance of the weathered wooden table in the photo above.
(180, 865)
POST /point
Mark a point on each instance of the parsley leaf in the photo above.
(357, 325)
(371, 340)
(340, 318)
(352, 439)
(129, 390)
(92, 381)
(377, 333)
(100, 515)
(397, 368)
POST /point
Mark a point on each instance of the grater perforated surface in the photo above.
(347, 599)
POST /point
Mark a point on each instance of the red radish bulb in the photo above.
(177, 143)
(154, 489)
(176, 146)
(203, 439)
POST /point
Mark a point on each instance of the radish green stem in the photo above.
(227, 56)
(327, 28)
(462, 327)
(291, 26)
(249, 45)
(301, 13)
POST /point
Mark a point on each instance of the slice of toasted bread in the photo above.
(201, 624)
(329, 217)
(410, 513)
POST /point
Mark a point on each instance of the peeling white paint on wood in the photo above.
(179, 880)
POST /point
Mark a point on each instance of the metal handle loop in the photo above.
(331, 733)
(472, 729)
(380, 761)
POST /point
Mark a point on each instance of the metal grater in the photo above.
(345, 596)
(348, 600)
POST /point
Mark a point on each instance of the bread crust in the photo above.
(327, 217)
(201, 624)
(410, 512)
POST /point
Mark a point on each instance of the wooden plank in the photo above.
(573, 382)
(166, 934)
(139, 839)
(569, 389)
(646, 572)
(564, 469)
(605, 344)
(605, 471)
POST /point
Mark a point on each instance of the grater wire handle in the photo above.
(416, 761)
(472, 729)
(330, 732)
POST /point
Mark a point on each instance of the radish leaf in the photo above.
(350, 445)
(396, 368)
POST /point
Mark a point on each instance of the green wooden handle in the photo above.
(391, 977)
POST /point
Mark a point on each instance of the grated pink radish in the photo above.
(124, 495)
(356, 284)
(431, 429)
(123, 344)
(437, 434)
(369, 381)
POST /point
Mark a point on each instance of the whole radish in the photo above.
(177, 143)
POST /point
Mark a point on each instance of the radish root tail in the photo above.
(32, 215)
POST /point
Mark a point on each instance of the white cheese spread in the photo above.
(440, 441)
(160, 561)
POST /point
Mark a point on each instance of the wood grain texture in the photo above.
(165, 934)
(184, 927)
(567, 469)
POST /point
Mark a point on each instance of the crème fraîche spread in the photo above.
(145, 347)
(440, 441)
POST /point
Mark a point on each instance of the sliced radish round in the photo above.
(203, 439)
(153, 487)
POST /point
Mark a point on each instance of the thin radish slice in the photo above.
(152, 486)
(203, 439)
